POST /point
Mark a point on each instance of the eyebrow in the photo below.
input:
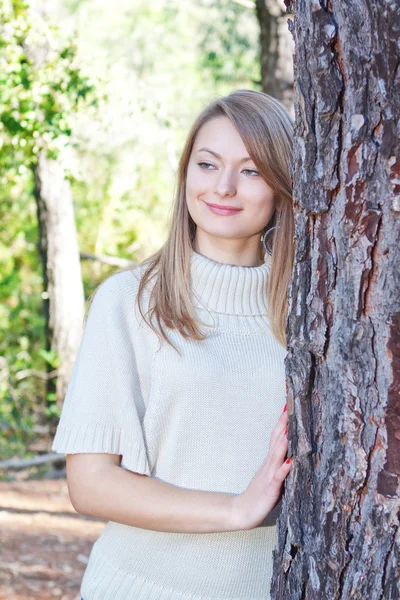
(219, 156)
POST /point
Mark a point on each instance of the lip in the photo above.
(223, 210)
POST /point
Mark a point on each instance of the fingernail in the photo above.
(285, 408)
(286, 430)
(288, 461)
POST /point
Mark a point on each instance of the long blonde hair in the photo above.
(266, 129)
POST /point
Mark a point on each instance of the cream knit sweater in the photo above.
(200, 421)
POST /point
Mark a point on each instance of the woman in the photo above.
(175, 423)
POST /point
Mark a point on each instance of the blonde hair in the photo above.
(266, 129)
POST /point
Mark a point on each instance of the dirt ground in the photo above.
(44, 543)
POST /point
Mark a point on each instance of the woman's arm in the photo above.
(100, 487)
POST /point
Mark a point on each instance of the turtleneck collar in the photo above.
(229, 289)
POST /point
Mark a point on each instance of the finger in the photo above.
(282, 472)
(280, 426)
(279, 452)
(278, 429)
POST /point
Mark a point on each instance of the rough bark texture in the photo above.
(64, 304)
(339, 534)
(276, 51)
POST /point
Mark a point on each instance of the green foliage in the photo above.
(41, 84)
(41, 87)
(229, 51)
(21, 314)
(111, 91)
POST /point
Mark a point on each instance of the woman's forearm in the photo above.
(116, 494)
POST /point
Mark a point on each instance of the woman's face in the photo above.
(221, 173)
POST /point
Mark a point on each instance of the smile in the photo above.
(223, 210)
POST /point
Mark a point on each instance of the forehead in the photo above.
(221, 136)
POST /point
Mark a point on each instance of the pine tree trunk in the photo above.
(338, 535)
(276, 51)
(64, 299)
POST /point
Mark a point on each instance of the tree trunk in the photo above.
(338, 534)
(64, 297)
(276, 51)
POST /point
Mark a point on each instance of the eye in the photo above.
(203, 165)
(253, 172)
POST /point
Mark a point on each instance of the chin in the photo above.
(220, 233)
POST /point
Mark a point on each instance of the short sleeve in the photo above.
(103, 407)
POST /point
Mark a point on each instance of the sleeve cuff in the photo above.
(107, 440)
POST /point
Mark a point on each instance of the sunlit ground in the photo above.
(44, 543)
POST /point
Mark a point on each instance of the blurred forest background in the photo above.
(96, 99)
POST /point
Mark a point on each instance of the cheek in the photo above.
(196, 183)
(191, 180)
(263, 198)
(193, 190)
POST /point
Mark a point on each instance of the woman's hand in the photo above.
(264, 491)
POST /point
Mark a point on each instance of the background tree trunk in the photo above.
(64, 300)
(339, 532)
(64, 295)
(276, 51)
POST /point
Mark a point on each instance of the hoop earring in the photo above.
(265, 240)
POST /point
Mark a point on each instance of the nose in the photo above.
(225, 184)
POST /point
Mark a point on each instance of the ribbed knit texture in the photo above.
(201, 421)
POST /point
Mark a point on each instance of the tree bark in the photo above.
(64, 300)
(338, 532)
(276, 51)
